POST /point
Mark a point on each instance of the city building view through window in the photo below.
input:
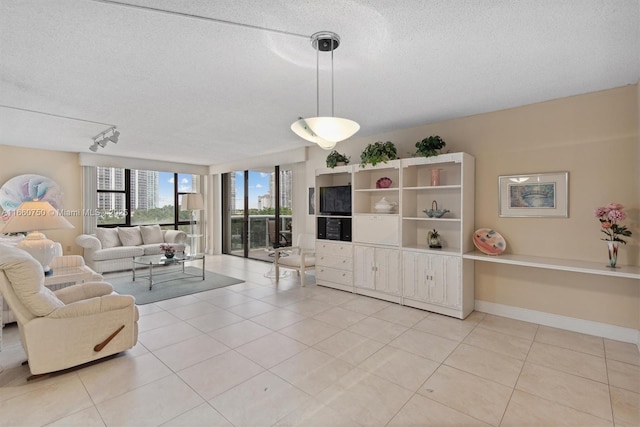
(260, 231)
(138, 197)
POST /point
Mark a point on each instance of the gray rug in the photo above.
(170, 289)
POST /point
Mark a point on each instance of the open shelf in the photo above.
(587, 267)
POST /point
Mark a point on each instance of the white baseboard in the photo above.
(589, 327)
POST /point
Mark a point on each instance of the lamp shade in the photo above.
(325, 131)
(34, 216)
(192, 202)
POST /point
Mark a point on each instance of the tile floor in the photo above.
(254, 354)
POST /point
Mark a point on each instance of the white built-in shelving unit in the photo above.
(389, 255)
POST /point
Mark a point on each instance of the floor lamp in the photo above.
(192, 202)
(31, 217)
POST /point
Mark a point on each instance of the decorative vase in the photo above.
(169, 256)
(433, 238)
(435, 177)
(613, 253)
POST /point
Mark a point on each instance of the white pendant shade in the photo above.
(325, 131)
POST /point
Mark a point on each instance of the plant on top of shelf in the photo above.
(428, 147)
(334, 158)
(378, 152)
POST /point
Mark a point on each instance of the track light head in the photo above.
(114, 138)
(101, 139)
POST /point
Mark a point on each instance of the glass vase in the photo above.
(435, 177)
(613, 253)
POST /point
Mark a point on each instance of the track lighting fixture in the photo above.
(102, 139)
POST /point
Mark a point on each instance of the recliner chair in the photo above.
(68, 327)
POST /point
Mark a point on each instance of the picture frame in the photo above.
(312, 201)
(534, 195)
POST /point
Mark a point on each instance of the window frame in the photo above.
(128, 210)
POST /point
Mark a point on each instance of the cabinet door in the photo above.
(415, 285)
(377, 229)
(431, 278)
(444, 279)
(387, 270)
(363, 267)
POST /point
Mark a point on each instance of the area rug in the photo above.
(170, 289)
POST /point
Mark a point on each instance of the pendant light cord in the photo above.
(332, 114)
(318, 78)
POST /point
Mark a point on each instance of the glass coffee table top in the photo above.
(162, 260)
(152, 261)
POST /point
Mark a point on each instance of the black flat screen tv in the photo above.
(335, 200)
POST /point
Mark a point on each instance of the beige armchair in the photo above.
(70, 326)
(300, 257)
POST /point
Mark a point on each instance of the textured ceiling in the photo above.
(191, 90)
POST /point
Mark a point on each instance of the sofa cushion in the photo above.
(130, 236)
(27, 280)
(118, 253)
(108, 237)
(151, 234)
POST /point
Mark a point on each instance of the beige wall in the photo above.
(595, 138)
(61, 167)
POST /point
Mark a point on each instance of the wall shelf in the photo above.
(587, 267)
(413, 218)
(439, 187)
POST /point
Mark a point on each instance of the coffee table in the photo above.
(154, 262)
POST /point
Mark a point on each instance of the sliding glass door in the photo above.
(256, 212)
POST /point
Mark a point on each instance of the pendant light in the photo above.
(324, 131)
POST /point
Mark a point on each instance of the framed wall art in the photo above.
(534, 195)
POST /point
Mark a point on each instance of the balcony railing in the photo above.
(258, 231)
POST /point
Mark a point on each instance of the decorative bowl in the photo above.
(384, 182)
(489, 241)
(434, 212)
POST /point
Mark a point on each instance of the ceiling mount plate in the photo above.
(324, 40)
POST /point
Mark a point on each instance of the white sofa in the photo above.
(112, 249)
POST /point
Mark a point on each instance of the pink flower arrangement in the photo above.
(168, 249)
(609, 216)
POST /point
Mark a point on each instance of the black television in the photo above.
(335, 200)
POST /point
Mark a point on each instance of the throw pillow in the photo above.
(151, 234)
(130, 236)
(108, 237)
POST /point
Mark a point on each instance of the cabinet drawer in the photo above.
(334, 275)
(377, 229)
(334, 261)
(340, 249)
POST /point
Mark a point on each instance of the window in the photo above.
(257, 212)
(139, 197)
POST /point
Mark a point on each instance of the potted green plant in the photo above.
(429, 147)
(378, 152)
(336, 159)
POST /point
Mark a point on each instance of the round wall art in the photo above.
(26, 188)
